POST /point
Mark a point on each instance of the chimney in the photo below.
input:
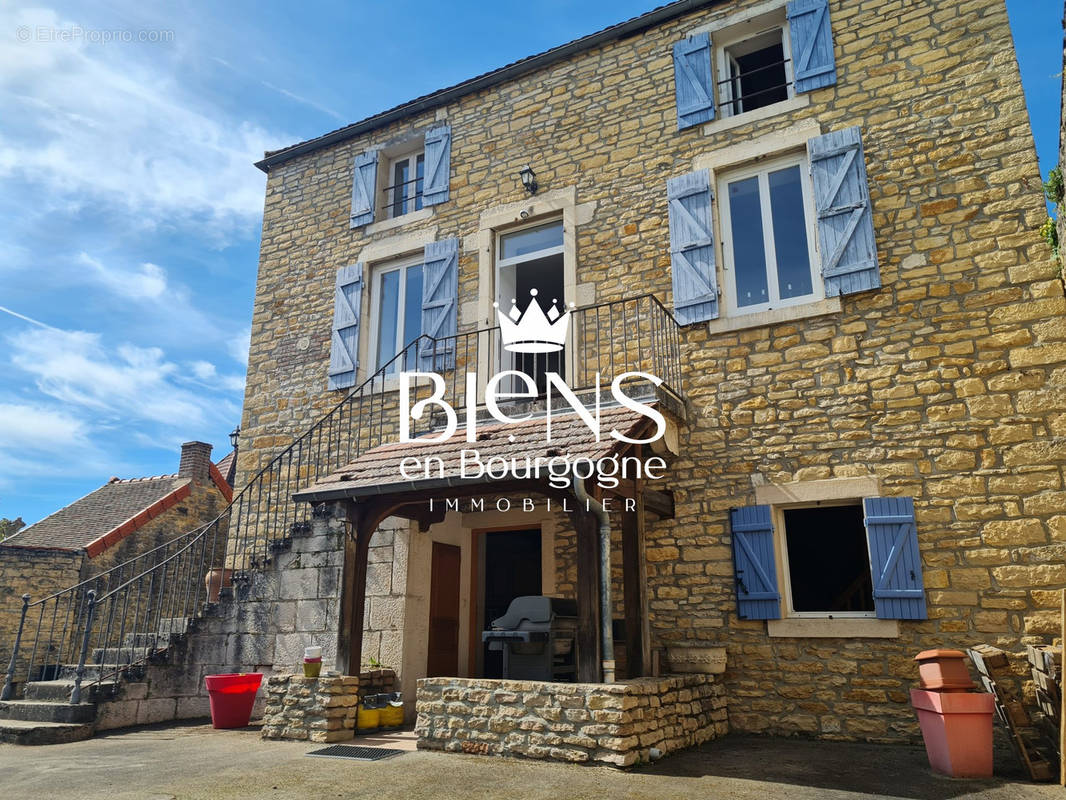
(195, 461)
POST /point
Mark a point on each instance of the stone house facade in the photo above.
(860, 340)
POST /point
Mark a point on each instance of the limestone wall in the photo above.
(310, 709)
(615, 724)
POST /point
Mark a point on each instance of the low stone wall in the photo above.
(310, 709)
(614, 724)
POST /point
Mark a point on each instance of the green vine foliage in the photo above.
(1053, 186)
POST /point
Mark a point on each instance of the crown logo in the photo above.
(533, 331)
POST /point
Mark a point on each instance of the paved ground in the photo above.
(194, 761)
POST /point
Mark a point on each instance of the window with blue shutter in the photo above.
(692, 262)
(845, 217)
(438, 166)
(811, 34)
(693, 81)
(754, 563)
(440, 295)
(895, 561)
(344, 339)
(364, 187)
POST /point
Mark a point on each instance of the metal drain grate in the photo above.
(355, 752)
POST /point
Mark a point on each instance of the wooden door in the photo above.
(443, 657)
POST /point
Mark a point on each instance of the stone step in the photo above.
(47, 711)
(93, 672)
(15, 731)
(49, 690)
(121, 655)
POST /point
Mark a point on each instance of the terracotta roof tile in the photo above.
(378, 470)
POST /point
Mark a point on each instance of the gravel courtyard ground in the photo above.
(195, 761)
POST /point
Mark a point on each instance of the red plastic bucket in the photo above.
(232, 697)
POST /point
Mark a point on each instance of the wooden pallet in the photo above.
(1029, 743)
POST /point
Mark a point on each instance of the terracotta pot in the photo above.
(944, 670)
(957, 730)
(215, 581)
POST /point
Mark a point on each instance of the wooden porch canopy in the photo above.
(373, 488)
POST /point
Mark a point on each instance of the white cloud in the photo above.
(94, 124)
(239, 345)
(204, 370)
(147, 282)
(129, 384)
(25, 426)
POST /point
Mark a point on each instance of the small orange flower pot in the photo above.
(957, 730)
(944, 670)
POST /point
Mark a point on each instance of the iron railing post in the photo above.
(10, 679)
(75, 696)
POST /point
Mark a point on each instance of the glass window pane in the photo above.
(412, 310)
(420, 173)
(531, 240)
(388, 310)
(399, 188)
(749, 255)
(790, 233)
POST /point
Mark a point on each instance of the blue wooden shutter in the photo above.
(692, 261)
(693, 81)
(438, 166)
(754, 563)
(440, 297)
(845, 218)
(344, 341)
(364, 188)
(811, 35)
(895, 562)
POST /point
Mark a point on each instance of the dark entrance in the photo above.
(443, 657)
(512, 569)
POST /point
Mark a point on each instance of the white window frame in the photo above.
(376, 273)
(735, 35)
(731, 307)
(411, 190)
(499, 358)
(784, 573)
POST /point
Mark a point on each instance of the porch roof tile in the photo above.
(377, 471)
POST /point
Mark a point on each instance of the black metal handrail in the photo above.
(123, 617)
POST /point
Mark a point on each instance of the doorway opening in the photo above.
(529, 269)
(511, 568)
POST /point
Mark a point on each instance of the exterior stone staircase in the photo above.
(45, 715)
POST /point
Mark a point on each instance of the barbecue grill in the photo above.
(536, 636)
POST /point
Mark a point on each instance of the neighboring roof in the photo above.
(377, 471)
(227, 467)
(104, 516)
(506, 73)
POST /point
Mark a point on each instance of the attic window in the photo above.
(756, 73)
(404, 192)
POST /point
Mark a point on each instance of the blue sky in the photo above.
(130, 210)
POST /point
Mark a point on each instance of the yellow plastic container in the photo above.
(392, 715)
(367, 719)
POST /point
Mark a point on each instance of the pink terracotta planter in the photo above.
(944, 669)
(957, 729)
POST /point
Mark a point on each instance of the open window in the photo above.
(826, 562)
(530, 269)
(838, 559)
(404, 193)
(755, 72)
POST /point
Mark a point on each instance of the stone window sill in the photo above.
(397, 222)
(837, 628)
(784, 107)
(741, 322)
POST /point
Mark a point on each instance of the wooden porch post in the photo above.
(589, 667)
(354, 595)
(635, 589)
